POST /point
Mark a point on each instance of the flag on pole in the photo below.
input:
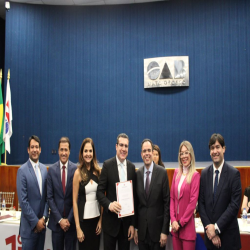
(1, 120)
(7, 118)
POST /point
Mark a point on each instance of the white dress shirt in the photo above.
(220, 169)
(119, 170)
(119, 167)
(39, 173)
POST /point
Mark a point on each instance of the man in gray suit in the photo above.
(31, 186)
(152, 188)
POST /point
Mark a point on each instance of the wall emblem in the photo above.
(166, 72)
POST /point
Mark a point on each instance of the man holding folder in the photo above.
(116, 169)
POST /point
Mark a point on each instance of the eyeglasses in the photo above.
(185, 153)
(147, 150)
(123, 145)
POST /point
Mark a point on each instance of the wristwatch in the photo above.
(216, 231)
(45, 219)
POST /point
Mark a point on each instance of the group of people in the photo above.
(83, 202)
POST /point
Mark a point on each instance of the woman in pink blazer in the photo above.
(183, 198)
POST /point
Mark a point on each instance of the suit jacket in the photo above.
(109, 176)
(33, 204)
(224, 209)
(187, 201)
(56, 198)
(153, 212)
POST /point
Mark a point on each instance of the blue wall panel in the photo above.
(78, 72)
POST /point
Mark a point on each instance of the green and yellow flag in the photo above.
(1, 119)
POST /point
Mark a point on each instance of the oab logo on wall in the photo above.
(166, 72)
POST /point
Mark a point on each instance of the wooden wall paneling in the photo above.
(8, 179)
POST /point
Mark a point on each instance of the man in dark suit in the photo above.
(152, 188)
(32, 192)
(59, 192)
(219, 199)
(115, 170)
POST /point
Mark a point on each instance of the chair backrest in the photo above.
(19, 208)
(9, 199)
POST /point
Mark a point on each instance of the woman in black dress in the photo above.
(88, 217)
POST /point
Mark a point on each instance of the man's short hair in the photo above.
(122, 135)
(64, 139)
(36, 138)
(216, 137)
(145, 140)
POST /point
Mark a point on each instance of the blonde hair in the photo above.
(191, 171)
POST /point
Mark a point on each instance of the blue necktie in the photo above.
(122, 173)
(38, 178)
(216, 182)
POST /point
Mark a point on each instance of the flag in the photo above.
(1, 121)
(7, 118)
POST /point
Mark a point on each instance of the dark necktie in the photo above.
(63, 186)
(216, 182)
(147, 183)
(63, 179)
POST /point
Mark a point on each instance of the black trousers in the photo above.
(63, 239)
(110, 241)
(92, 240)
(148, 244)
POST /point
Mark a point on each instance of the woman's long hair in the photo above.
(191, 170)
(156, 148)
(93, 164)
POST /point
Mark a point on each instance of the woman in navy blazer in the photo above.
(183, 198)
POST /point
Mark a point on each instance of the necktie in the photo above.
(147, 183)
(63, 179)
(38, 177)
(216, 182)
(122, 173)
